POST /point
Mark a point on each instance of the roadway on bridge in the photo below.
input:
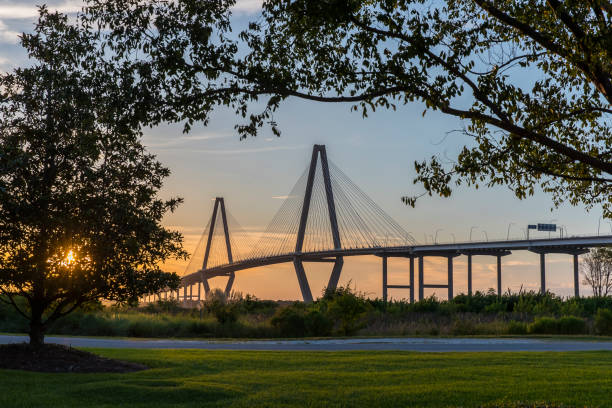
(381, 344)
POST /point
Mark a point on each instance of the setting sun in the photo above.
(70, 258)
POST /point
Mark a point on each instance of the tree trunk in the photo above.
(37, 331)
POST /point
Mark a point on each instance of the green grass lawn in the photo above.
(195, 378)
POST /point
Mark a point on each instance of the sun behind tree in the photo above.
(80, 219)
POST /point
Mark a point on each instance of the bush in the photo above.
(572, 325)
(223, 308)
(290, 321)
(430, 304)
(318, 324)
(515, 327)
(544, 325)
(564, 325)
(603, 322)
(346, 307)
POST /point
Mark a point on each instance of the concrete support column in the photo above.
(469, 274)
(199, 291)
(190, 292)
(335, 275)
(499, 277)
(384, 278)
(450, 278)
(411, 280)
(206, 286)
(576, 281)
(230, 283)
(184, 293)
(543, 273)
(421, 289)
(302, 280)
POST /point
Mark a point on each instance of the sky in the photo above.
(377, 153)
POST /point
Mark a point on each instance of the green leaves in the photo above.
(531, 79)
(80, 219)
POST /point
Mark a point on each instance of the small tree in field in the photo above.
(79, 212)
(597, 271)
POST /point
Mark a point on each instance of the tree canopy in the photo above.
(532, 79)
(80, 219)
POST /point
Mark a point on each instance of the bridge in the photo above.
(326, 218)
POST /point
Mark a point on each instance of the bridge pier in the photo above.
(229, 284)
(496, 253)
(499, 276)
(469, 274)
(576, 281)
(450, 278)
(449, 255)
(385, 280)
(542, 273)
(575, 252)
(421, 286)
(334, 278)
(206, 285)
(411, 279)
(300, 272)
(302, 280)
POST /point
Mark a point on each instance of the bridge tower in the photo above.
(318, 151)
(219, 204)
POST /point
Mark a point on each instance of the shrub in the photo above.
(564, 325)
(168, 306)
(515, 327)
(430, 304)
(572, 325)
(318, 324)
(223, 308)
(544, 325)
(572, 307)
(603, 322)
(290, 321)
(346, 307)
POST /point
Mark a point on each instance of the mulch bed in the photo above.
(53, 358)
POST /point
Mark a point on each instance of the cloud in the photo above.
(7, 36)
(17, 10)
(18, 13)
(247, 151)
(170, 142)
(281, 197)
(248, 6)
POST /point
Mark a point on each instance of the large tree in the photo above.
(80, 217)
(532, 79)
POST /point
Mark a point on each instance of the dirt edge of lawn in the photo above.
(54, 358)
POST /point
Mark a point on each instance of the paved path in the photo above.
(403, 344)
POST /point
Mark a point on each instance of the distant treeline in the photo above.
(342, 312)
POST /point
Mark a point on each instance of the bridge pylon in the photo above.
(318, 150)
(219, 205)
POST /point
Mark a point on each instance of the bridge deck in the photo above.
(554, 245)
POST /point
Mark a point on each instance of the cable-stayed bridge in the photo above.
(327, 217)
